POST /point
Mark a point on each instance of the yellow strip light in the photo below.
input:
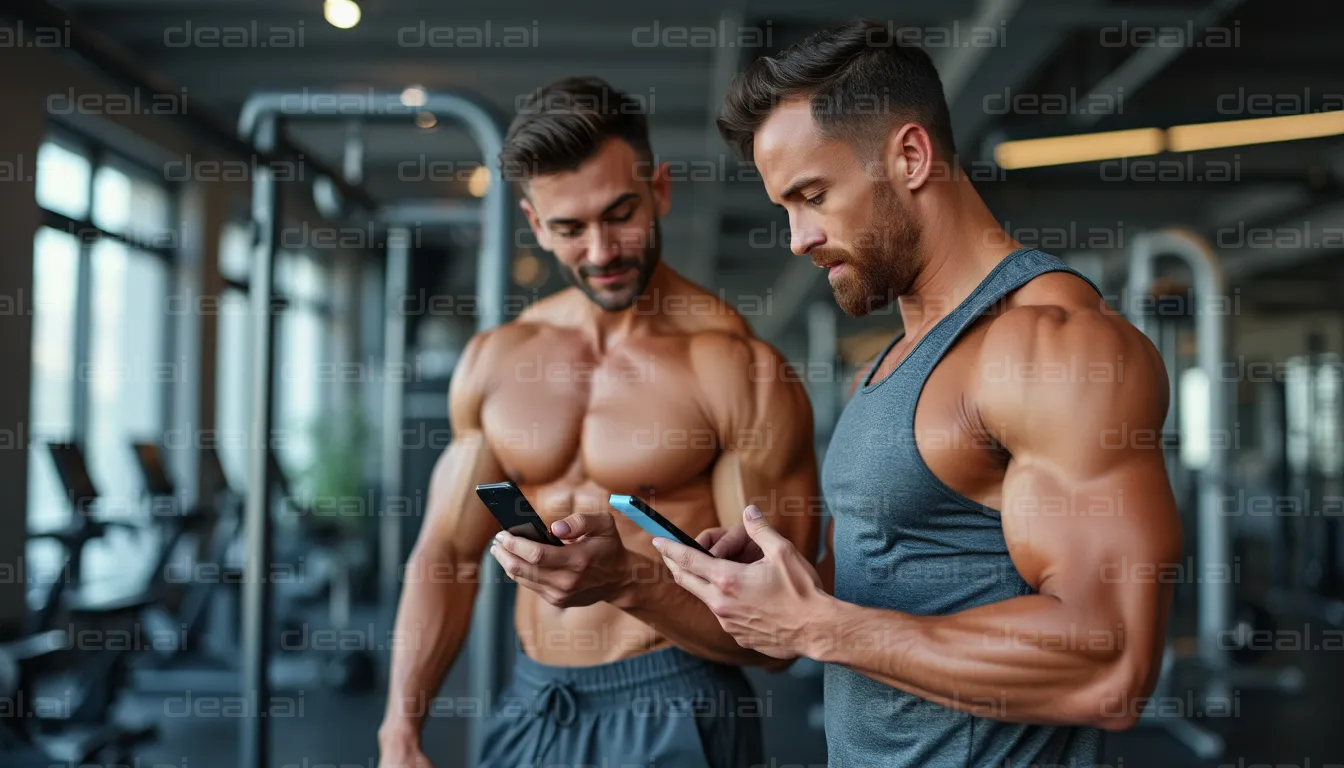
(1236, 133)
(1082, 148)
(1111, 145)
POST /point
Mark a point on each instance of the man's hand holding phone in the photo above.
(592, 566)
(734, 544)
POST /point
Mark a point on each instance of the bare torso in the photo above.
(571, 424)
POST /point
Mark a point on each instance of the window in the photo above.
(102, 374)
(302, 337)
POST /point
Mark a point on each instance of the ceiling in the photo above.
(1038, 67)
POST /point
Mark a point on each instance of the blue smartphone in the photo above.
(645, 517)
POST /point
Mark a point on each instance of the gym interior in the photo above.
(231, 219)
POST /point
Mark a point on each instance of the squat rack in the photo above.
(260, 123)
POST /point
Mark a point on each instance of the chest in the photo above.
(629, 420)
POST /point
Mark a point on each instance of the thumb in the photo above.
(760, 530)
(583, 524)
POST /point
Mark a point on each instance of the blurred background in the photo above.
(171, 166)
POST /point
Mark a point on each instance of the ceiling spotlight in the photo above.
(342, 14)
(426, 120)
(479, 183)
(414, 96)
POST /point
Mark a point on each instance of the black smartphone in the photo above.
(515, 515)
(645, 517)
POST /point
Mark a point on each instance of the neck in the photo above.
(961, 244)
(608, 328)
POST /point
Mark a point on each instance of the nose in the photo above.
(803, 239)
(602, 247)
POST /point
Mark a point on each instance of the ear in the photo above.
(661, 183)
(534, 221)
(908, 156)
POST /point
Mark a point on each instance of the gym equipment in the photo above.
(260, 124)
(93, 683)
(326, 548)
(73, 472)
(1215, 596)
(22, 744)
(181, 606)
(1308, 581)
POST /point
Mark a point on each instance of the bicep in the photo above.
(1098, 542)
(455, 518)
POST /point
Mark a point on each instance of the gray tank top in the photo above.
(907, 542)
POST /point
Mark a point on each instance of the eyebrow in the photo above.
(798, 185)
(613, 205)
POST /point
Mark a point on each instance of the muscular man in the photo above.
(633, 381)
(983, 502)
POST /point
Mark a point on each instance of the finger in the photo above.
(732, 543)
(686, 559)
(516, 567)
(710, 536)
(692, 583)
(761, 532)
(584, 524)
(540, 555)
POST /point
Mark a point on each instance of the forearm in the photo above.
(655, 598)
(1029, 659)
(433, 617)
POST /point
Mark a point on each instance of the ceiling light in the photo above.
(1080, 148)
(342, 14)
(414, 96)
(1263, 130)
(479, 183)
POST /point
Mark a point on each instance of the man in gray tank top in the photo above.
(1002, 511)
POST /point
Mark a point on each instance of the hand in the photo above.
(766, 605)
(401, 751)
(593, 566)
(733, 544)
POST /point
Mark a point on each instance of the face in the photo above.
(854, 222)
(601, 222)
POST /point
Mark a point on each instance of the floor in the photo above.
(319, 729)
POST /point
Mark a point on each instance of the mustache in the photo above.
(829, 256)
(609, 269)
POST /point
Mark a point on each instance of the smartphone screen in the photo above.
(645, 517)
(515, 515)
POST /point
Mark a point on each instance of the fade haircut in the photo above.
(560, 125)
(860, 81)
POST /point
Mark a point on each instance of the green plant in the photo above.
(336, 475)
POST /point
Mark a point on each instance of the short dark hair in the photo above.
(859, 78)
(560, 125)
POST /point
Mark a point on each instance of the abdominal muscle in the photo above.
(601, 633)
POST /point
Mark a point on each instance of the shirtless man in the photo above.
(982, 501)
(610, 386)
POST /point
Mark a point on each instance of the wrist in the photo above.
(822, 628)
(399, 730)
(638, 571)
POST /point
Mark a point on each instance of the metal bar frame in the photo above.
(487, 129)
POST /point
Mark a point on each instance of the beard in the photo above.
(883, 264)
(619, 298)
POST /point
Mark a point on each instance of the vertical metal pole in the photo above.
(491, 626)
(394, 358)
(1213, 541)
(254, 741)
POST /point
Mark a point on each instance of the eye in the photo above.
(571, 233)
(815, 201)
(623, 217)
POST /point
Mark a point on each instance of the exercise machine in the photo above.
(1208, 454)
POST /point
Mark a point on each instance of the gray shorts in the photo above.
(663, 709)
